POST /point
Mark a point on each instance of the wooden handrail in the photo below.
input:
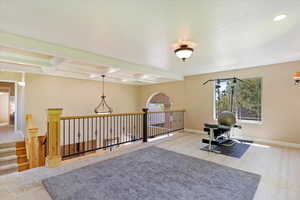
(166, 111)
(115, 114)
(101, 115)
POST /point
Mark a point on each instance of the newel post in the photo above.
(32, 147)
(145, 125)
(53, 158)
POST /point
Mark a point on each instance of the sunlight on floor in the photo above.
(160, 137)
(260, 145)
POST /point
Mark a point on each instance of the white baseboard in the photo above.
(258, 140)
(194, 131)
(275, 142)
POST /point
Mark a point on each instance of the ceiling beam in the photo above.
(17, 41)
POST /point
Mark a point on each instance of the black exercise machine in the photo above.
(220, 134)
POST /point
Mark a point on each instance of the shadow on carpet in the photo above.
(236, 151)
(153, 174)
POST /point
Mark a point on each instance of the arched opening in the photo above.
(159, 102)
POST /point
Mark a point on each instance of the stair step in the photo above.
(8, 160)
(6, 169)
(22, 158)
(7, 145)
(23, 166)
(20, 150)
(7, 152)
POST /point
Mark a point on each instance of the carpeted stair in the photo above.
(8, 158)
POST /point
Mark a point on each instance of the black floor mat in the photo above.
(236, 151)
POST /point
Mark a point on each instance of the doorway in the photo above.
(159, 102)
(7, 110)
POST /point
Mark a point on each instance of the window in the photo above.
(245, 101)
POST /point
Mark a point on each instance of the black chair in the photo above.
(218, 135)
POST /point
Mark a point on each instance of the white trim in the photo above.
(26, 43)
(275, 142)
(194, 131)
(16, 117)
(16, 103)
(250, 122)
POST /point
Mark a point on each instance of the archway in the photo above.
(159, 102)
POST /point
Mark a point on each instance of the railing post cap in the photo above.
(145, 109)
(54, 111)
(51, 109)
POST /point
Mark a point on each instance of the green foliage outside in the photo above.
(246, 99)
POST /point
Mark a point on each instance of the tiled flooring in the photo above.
(279, 167)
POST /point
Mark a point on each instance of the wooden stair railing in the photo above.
(35, 144)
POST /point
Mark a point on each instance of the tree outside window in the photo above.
(246, 101)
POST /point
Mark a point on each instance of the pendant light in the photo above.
(103, 107)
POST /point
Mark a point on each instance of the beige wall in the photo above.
(4, 107)
(174, 90)
(10, 76)
(76, 97)
(280, 100)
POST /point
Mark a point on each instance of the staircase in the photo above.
(8, 158)
(13, 157)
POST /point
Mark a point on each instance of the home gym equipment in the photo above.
(220, 134)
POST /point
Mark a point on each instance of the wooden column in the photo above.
(41, 140)
(53, 158)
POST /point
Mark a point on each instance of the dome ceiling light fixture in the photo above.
(184, 52)
(103, 107)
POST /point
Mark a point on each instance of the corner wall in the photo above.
(280, 100)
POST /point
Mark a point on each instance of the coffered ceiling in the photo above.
(132, 41)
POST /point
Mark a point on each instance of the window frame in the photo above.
(259, 122)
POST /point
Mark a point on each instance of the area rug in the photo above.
(153, 174)
(236, 151)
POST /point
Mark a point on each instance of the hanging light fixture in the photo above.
(103, 107)
(297, 78)
(184, 52)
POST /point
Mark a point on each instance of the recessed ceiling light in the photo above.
(113, 70)
(93, 75)
(279, 18)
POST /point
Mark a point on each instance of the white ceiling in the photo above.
(229, 34)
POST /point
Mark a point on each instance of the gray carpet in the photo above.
(153, 174)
